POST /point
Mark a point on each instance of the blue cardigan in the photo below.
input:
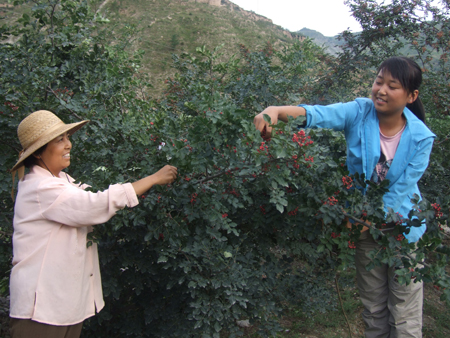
(359, 121)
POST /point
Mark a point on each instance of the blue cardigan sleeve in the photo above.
(338, 116)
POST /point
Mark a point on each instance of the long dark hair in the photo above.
(409, 74)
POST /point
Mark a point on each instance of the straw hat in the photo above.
(39, 128)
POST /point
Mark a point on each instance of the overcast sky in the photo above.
(329, 17)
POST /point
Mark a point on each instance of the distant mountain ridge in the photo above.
(330, 43)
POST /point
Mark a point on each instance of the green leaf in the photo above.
(267, 118)
(162, 259)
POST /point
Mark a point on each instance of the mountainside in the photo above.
(165, 27)
(330, 43)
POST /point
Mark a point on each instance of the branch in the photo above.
(372, 227)
(362, 222)
(4, 233)
(9, 145)
(72, 112)
(441, 141)
(342, 305)
(217, 175)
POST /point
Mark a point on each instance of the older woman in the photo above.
(55, 280)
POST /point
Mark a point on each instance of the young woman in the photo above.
(55, 280)
(386, 139)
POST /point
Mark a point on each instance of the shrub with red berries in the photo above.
(203, 251)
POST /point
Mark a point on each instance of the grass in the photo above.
(332, 324)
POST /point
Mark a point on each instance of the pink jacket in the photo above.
(55, 277)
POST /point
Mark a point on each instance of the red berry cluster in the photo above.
(331, 201)
(335, 235)
(264, 134)
(301, 139)
(233, 149)
(351, 245)
(224, 215)
(347, 181)
(296, 165)
(231, 192)
(194, 198)
(400, 238)
(293, 212)
(309, 158)
(154, 138)
(263, 148)
(63, 91)
(263, 210)
(11, 105)
(437, 210)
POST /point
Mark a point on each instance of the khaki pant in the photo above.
(27, 328)
(390, 310)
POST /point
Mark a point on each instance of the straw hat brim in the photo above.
(70, 128)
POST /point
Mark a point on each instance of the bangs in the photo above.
(406, 71)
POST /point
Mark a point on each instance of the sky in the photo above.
(329, 17)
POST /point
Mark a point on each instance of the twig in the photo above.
(5, 233)
(342, 305)
(9, 145)
(439, 142)
(372, 227)
(362, 222)
(71, 111)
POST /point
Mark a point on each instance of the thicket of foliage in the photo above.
(251, 224)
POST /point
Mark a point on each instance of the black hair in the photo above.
(409, 74)
(31, 160)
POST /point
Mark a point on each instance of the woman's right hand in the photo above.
(262, 124)
(276, 113)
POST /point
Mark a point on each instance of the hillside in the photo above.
(330, 43)
(163, 27)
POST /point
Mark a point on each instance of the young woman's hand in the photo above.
(262, 125)
(276, 113)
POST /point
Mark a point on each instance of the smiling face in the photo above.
(56, 155)
(389, 96)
